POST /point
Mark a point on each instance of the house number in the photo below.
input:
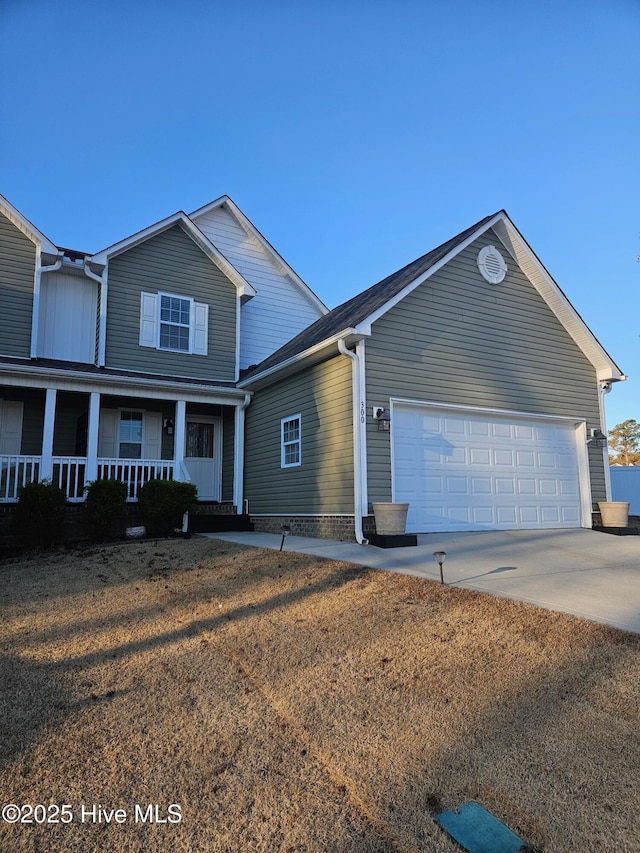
(363, 411)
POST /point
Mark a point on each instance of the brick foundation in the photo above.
(318, 526)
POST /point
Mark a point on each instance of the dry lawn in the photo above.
(288, 703)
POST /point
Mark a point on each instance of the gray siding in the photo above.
(458, 339)
(323, 483)
(170, 262)
(17, 269)
(228, 433)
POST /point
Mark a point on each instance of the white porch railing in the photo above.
(69, 475)
(135, 472)
(16, 472)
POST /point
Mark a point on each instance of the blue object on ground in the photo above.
(478, 831)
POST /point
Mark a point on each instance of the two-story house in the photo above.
(465, 384)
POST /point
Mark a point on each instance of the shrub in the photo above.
(40, 513)
(105, 508)
(164, 502)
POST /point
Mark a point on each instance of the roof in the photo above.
(353, 319)
(360, 308)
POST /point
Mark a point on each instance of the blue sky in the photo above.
(355, 135)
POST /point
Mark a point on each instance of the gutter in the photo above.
(102, 328)
(238, 453)
(359, 446)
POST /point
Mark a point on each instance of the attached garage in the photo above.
(469, 469)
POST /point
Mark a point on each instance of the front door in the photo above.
(203, 456)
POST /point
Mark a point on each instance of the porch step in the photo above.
(619, 531)
(218, 523)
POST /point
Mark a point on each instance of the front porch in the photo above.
(72, 438)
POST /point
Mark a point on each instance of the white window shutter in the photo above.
(108, 433)
(148, 319)
(200, 328)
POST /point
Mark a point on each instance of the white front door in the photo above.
(10, 427)
(203, 456)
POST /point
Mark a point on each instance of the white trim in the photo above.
(580, 437)
(238, 452)
(93, 432)
(301, 514)
(22, 224)
(297, 441)
(180, 218)
(189, 299)
(46, 459)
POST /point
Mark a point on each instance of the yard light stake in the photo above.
(285, 530)
(439, 557)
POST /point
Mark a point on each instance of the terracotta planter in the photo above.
(391, 518)
(614, 513)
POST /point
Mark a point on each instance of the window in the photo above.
(173, 323)
(130, 435)
(290, 442)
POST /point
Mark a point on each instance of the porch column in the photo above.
(46, 459)
(179, 426)
(238, 455)
(91, 470)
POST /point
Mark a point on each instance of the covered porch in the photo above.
(72, 436)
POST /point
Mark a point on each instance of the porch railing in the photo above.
(135, 472)
(16, 472)
(69, 475)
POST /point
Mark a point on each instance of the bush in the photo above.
(164, 502)
(105, 508)
(40, 513)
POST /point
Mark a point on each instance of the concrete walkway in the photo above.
(582, 572)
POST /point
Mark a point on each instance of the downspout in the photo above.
(102, 326)
(35, 313)
(238, 454)
(359, 424)
(605, 388)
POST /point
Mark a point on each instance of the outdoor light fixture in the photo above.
(383, 417)
(168, 426)
(285, 530)
(597, 438)
(439, 557)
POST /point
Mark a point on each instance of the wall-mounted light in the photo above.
(597, 438)
(168, 426)
(383, 417)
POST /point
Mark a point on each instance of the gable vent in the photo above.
(491, 264)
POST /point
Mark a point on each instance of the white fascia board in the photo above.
(307, 357)
(76, 380)
(29, 230)
(532, 267)
(245, 290)
(250, 229)
(366, 324)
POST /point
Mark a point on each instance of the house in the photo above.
(465, 384)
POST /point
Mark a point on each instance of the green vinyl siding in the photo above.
(458, 339)
(170, 263)
(228, 434)
(323, 483)
(17, 270)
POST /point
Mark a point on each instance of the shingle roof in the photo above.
(356, 310)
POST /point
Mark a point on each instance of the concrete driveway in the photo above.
(582, 572)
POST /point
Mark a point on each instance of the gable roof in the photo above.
(245, 290)
(250, 229)
(353, 319)
(29, 230)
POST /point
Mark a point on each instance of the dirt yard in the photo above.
(261, 701)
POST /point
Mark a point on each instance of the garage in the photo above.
(462, 469)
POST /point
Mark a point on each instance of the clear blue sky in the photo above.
(356, 135)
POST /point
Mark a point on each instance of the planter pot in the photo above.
(614, 513)
(391, 518)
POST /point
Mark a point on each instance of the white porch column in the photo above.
(179, 429)
(238, 455)
(91, 470)
(46, 461)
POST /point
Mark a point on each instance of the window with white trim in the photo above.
(130, 435)
(173, 323)
(291, 441)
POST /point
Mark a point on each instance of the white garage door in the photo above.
(463, 471)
